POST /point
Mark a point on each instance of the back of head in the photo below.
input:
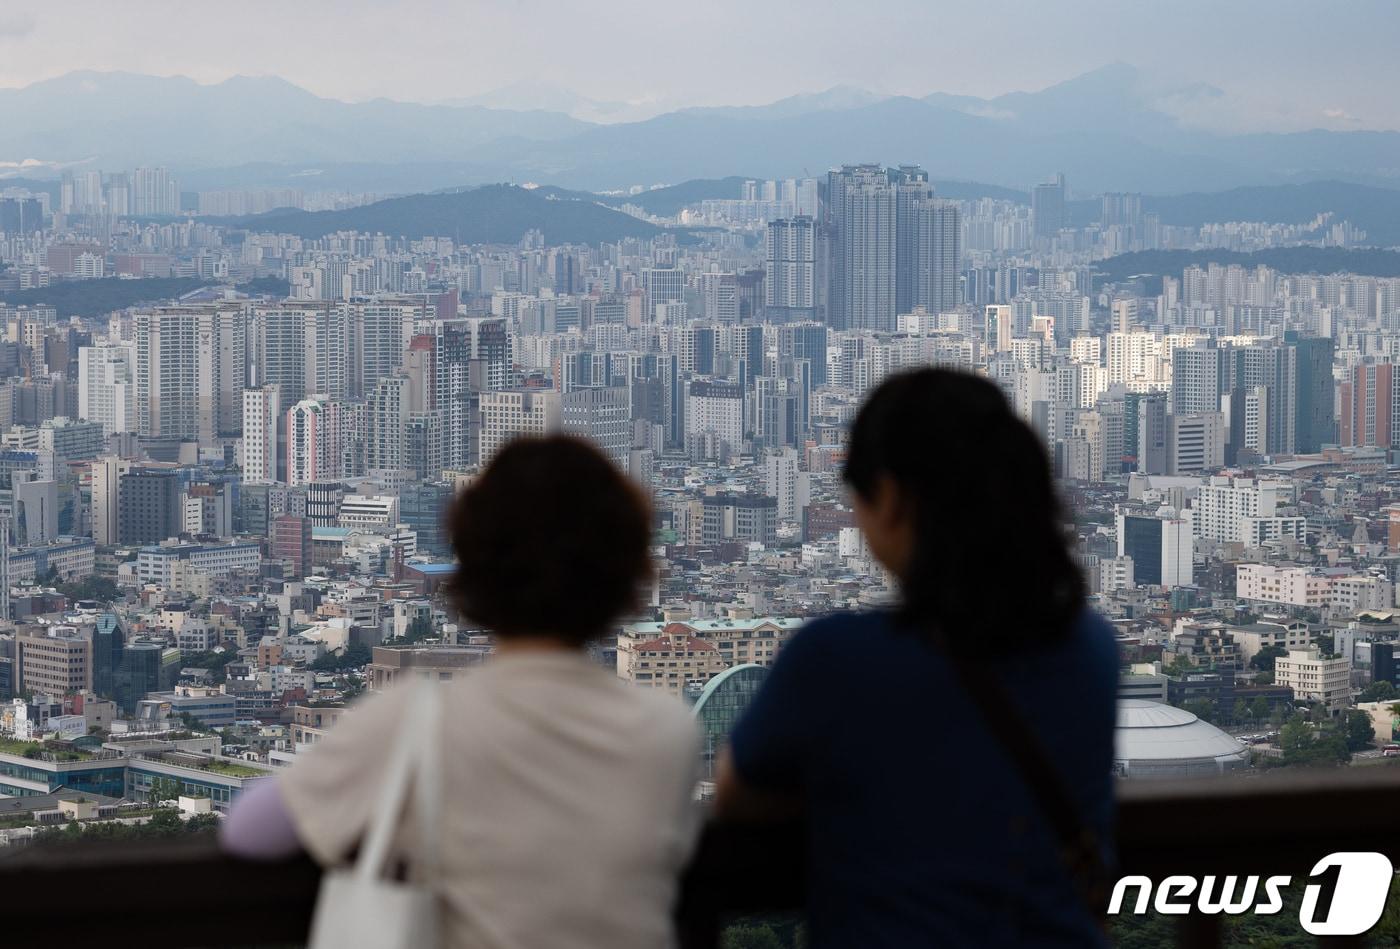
(990, 554)
(551, 540)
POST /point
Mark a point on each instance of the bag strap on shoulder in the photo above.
(404, 767)
(1080, 847)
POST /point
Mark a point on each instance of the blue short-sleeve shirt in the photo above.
(922, 830)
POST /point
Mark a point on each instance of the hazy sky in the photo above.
(1282, 63)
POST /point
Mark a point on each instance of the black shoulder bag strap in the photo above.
(1080, 847)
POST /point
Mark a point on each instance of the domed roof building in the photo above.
(719, 705)
(1161, 741)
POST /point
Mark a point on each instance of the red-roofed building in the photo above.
(678, 654)
(669, 660)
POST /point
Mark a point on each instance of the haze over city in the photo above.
(777, 475)
(1248, 66)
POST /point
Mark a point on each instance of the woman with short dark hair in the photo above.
(567, 811)
(952, 756)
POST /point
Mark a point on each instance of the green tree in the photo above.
(1204, 709)
(202, 824)
(1240, 712)
(1359, 731)
(93, 587)
(1180, 666)
(1259, 709)
(1378, 692)
(163, 789)
(1305, 743)
(214, 660)
(1264, 659)
(1295, 737)
(351, 657)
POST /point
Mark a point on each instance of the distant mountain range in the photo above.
(1110, 129)
(118, 120)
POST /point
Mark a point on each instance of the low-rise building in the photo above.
(1315, 679)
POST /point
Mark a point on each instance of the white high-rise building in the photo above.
(154, 193)
(380, 330)
(601, 416)
(106, 484)
(1244, 511)
(716, 409)
(107, 386)
(1195, 443)
(321, 434)
(190, 372)
(261, 414)
(1133, 357)
(304, 349)
(505, 415)
(785, 481)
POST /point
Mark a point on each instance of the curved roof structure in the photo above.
(724, 699)
(1157, 739)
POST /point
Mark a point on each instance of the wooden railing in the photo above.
(186, 893)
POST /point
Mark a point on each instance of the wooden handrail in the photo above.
(185, 892)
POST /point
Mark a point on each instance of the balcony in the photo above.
(184, 892)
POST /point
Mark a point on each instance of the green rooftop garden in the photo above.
(230, 768)
(36, 749)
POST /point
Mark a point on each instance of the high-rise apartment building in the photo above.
(790, 257)
(1196, 378)
(190, 372)
(107, 386)
(154, 193)
(805, 341)
(262, 434)
(387, 406)
(304, 349)
(1370, 405)
(862, 212)
(928, 244)
(324, 437)
(1048, 207)
(936, 255)
(1315, 416)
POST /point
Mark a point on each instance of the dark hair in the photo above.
(989, 547)
(551, 540)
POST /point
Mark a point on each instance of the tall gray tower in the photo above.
(862, 213)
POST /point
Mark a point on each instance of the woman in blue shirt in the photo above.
(944, 754)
